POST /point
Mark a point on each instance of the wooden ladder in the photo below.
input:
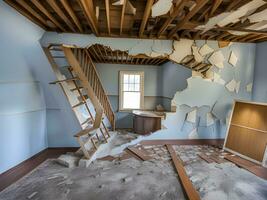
(78, 90)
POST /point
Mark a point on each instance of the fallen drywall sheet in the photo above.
(217, 59)
(198, 57)
(231, 86)
(161, 7)
(192, 116)
(226, 18)
(205, 50)
(181, 48)
(233, 59)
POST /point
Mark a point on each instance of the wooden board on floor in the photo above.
(206, 158)
(140, 153)
(258, 170)
(191, 192)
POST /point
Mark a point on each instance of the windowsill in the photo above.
(128, 110)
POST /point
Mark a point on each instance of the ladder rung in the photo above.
(76, 89)
(58, 56)
(87, 120)
(79, 104)
(60, 81)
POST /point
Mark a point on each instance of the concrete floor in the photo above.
(128, 179)
(133, 179)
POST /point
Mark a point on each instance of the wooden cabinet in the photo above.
(145, 122)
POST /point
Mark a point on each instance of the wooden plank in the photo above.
(190, 191)
(108, 15)
(191, 14)
(60, 13)
(145, 17)
(25, 13)
(140, 153)
(32, 11)
(71, 13)
(206, 158)
(87, 6)
(173, 15)
(215, 5)
(122, 15)
(47, 14)
(258, 170)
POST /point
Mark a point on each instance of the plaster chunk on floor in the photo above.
(233, 59)
(249, 87)
(69, 160)
(181, 49)
(217, 59)
(161, 7)
(205, 50)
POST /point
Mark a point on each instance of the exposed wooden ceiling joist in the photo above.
(132, 18)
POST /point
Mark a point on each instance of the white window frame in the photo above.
(141, 73)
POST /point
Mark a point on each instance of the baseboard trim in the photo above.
(15, 173)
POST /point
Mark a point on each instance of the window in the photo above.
(131, 90)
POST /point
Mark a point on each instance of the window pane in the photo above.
(125, 87)
(137, 87)
(137, 78)
(131, 100)
(125, 78)
(131, 78)
(131, 87)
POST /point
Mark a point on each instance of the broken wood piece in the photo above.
(107, 158)
(248, 165)
(191, 192)
(140, 153)
(206, 158)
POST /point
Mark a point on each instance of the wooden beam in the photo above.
(60, 13)
(47, 14)
(31, 11)
(87, 6)
(107, 15)
(146, 15)
(71, 13)
(26, 14)
(191, 192)
(191, 14)
(216, 4)
(176, 11)
(122, 15)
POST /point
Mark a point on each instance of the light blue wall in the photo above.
(260, 73)
(109, 75)
(22, 103)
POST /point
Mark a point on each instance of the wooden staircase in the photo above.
(82, 87)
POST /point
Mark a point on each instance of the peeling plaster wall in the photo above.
(211, 99)
(260, 76)
(206, 96)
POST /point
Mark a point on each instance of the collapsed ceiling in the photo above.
(226, 20)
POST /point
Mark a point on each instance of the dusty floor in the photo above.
(133, 179)
(128, 179)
